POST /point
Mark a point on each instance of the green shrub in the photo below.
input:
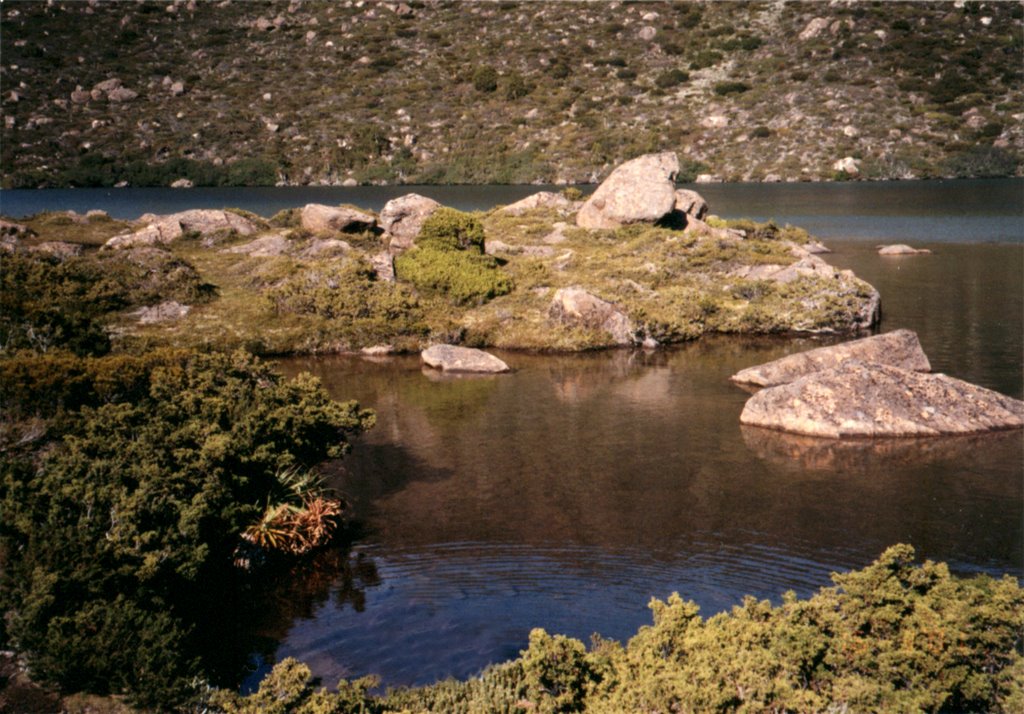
(733, 87)
(516, 87)
(462, 276)
(761, 132)
(449, 229)
(671, 78)
(485, 79)
(118, 540)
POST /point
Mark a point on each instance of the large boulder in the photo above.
(691, 203)
(162, 230)
(638, 191)
(859, 399)
(319, 218)
(578, 308)
(899, 349)
(402, 217)
(450, 358)
(543, 199)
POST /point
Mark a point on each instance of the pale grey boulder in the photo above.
(900, 348)
(450, 358)
(691, 203)
(578, 308)
(319, 218)
(859, 399)
(542, 199)
(901, 249)
(638, 191)
(162, 230)
(403, 217)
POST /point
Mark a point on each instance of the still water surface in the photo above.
(567, 494)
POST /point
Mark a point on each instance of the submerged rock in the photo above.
(900, 348)
(858, 399)
(319, 218)
(577, 307)
(402, 217)
(901, 249)
(638, 191)
(450, 358)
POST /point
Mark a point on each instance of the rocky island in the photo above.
(638, 263)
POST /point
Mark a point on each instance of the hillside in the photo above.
(505, 92)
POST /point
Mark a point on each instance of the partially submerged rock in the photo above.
(578, 308)
(858, 399)
(543, 199)
(901, 249)
(319, 218)
(162, 230)
(450, 358)
(402, 217)
(638, 191)
(900, 348)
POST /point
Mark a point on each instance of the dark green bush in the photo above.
(516, 87)
(449, 229)
(733, 87)
(671, 78)
(118, 540)
(761, 132)
(485, 79)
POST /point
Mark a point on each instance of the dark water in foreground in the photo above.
(567, 494)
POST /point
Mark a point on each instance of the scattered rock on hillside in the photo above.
(900, 348)
(578, 308)
(57, 248)
(167, 311)
(858, 399)
(107, 85)
(814, 28)
(165, 229)
(182, 183)
(402, 217)
(543, 199)
(847, 165)
(900, 249)
(122, 94)
(266, 247)
(326, 219)
(450, 358)
(638, 191)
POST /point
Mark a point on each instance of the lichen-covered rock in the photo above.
(326, 248)
(450, 358)
(900, 249)
(859, 399)
(402, 217)
(576, 307)
(319, 218)
(900, 348)
(167, 311)
(166, 229)
(543, 199)
(59, 249)
(265, 247)
(638, 191)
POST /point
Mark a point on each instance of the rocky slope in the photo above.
(148, 93)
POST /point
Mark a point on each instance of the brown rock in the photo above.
(450, 358)
(875, 400)
(331, 219)
(638, 191)
(577, 307)
(900, 348)
(122, 94)
(402, 217)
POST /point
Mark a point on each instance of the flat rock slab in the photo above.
(901, 249)
(450, 358)
(874, 400)
(900, 348)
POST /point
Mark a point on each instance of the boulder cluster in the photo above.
(878, 386)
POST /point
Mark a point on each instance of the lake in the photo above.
(568, 493)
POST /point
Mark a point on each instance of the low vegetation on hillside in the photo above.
(258, 93)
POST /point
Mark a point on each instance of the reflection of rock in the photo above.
(858, 400)
(900, 348)
(810, 453)
(450, 358)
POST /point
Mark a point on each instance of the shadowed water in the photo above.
(565, 495)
